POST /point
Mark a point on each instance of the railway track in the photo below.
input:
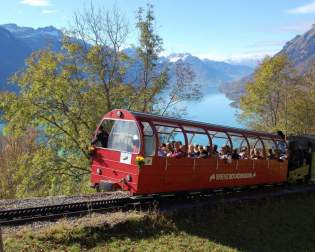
(165, 203)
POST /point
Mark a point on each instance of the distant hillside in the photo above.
(17, 43)
(301, 52)
(209, 73)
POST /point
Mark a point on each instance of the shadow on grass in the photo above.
(274, 225)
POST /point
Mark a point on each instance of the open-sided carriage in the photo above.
(128, 157)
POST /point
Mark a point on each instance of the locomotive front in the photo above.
(116, 146)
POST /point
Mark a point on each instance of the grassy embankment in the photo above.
(269, 225)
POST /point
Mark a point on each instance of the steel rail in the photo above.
(23, 215)
(42, 213)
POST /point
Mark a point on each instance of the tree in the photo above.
(14, 152)
(278, 99)
(182, 88)
(100, 36)
(155, 90)
(64, 94)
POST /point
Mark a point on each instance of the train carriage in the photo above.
(128, 158)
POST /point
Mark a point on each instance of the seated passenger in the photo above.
(235, 155)
(202, 152)
(214, 150)
(254, 154)
(225, 152)
(196, 150)
(261, 154)
(208, 149)
(178, 153)
(101, 138)
(162, 150)
(243, 154)
(191, 151)
(271, 155)
(169, 149)
(183, 148)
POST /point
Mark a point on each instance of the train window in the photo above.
(256, 147)
(149, 139)
(270, 145)
(123, 136)
(239, 142)
(219, 139)
(195, 138)
(169, 134)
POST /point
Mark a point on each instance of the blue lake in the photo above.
(214, 108)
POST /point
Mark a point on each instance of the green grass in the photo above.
(269, 225)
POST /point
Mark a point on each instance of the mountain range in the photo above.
(301, 53)
(17, 43)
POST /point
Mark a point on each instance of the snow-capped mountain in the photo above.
(210, 73)
(17, 43)
(36, 38)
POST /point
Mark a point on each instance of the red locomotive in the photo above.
(149, 154)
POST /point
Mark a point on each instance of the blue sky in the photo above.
(215, 29)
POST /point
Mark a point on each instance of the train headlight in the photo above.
(119, 114)
(98, 171)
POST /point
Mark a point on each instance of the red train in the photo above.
(129, 153)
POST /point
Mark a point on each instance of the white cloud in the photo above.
(303, 9)
(36, 2)
(48, 11)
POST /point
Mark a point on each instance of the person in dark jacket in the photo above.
(101, 138)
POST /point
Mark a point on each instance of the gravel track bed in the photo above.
(8, 204)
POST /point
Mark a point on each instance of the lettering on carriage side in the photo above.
(231, 176)
(125, 157)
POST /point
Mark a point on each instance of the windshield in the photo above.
(122, 135)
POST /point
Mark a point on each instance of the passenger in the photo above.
(235, 155)
(281, 144)
(271, 155)
(169, 149)
(260, 154)
(277, 154)
(162, 152)
(215, 150)
(196, 150)
(202, 152)
(101, 138)
(225, 152)
(191, 151)
(178, 153)
(183, 148)
(208, 149)
(254, 154)
(228, 150)
(243, 153)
